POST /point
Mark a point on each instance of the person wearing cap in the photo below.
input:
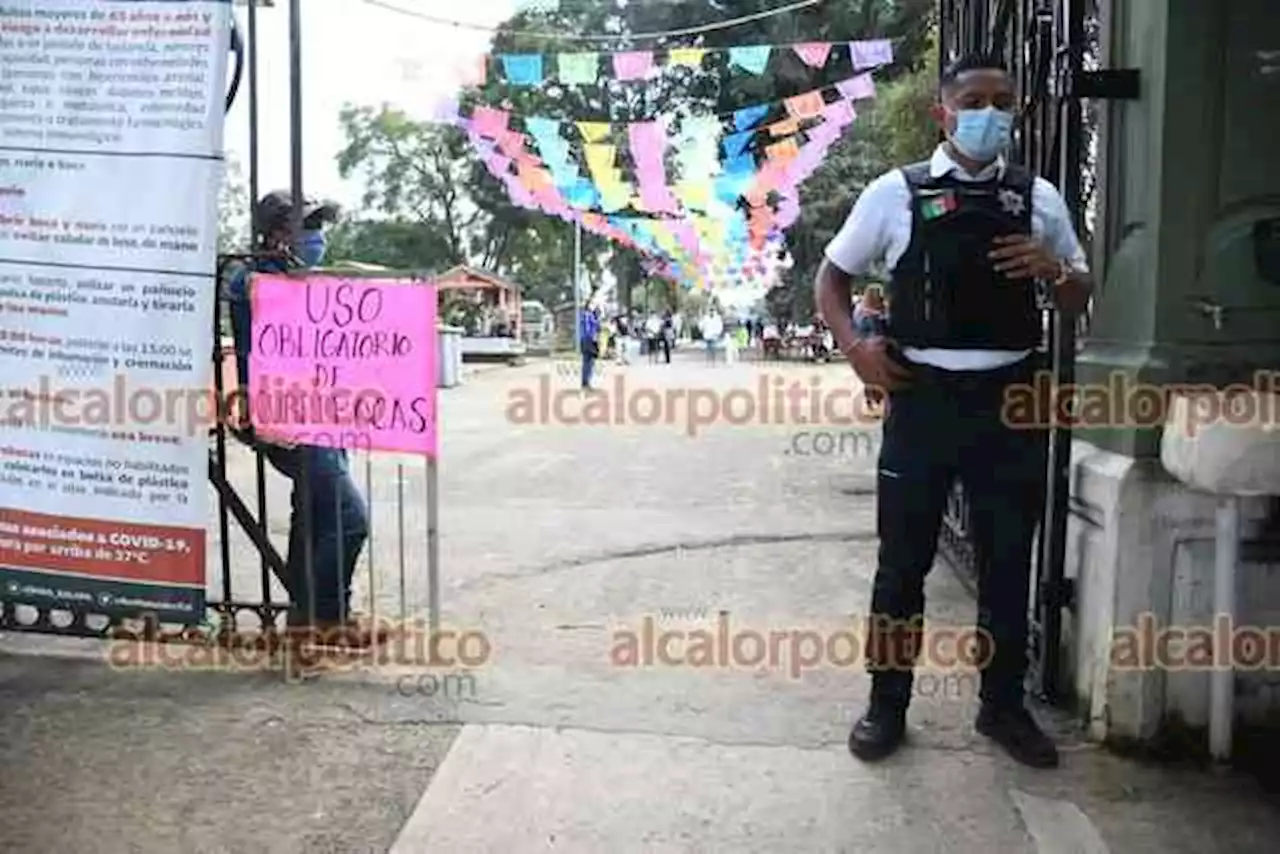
(323, 487)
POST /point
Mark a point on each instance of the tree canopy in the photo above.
(431, 203)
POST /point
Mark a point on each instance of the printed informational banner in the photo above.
(111, 118)
(344, 362)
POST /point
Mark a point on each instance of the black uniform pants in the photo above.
(951, 425)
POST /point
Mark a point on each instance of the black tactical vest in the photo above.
(944, 291)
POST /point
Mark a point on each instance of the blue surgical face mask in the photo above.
(982, 135)
(312, 247)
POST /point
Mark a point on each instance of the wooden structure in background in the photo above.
(486, 289)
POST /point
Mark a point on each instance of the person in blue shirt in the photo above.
(869, 318)
(323, 488)
(589, 339)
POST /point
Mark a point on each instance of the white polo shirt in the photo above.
(879, 229)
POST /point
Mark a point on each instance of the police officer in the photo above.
(969, 239)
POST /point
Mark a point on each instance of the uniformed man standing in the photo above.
(969, 238)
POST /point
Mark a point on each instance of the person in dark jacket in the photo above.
(329, 516)
(589, 342)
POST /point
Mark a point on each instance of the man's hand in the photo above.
(1072, 293)
(1021, 257)
(876, 367)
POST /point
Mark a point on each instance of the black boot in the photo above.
(1013, 728)
(880, 731)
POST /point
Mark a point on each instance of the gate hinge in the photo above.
(1108, 84)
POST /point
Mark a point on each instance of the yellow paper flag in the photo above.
(594, 131)
(695, 194)
(691, 56)
(711, 230)
(614, 196)
(600, 160)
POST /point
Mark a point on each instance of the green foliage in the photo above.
(441, 206)
(233, 210)
(413, 172)
(894, 130)
(901, 122)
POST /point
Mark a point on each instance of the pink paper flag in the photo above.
(824, 134)
(512, 144)
(814, 53)
(770, 176)
(498, 164)
(517, 192)
(646, 140)
(486, 121)
(839, 113)
(857, 88)
(687, 236)
(316, 391)
(808, 160)
(632, 65)
(788, 213)
(657, 199)
(871, 54)
(806, 106)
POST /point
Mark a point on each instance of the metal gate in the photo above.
(245, 601)
(1049, 47)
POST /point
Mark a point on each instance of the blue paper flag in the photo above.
(738, 166)
(523, 69)
(754, 59)
(564, 173)
(582, 195)
(736, 143)
(749, 117)
(541, 128)
(729, 188)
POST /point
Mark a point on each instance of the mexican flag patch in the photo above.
(934, 207)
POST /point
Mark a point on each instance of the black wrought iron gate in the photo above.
(1044, 43)
(237, 615)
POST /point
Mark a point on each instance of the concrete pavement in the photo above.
(559, 543)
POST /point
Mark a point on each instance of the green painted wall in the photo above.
(1188, 169)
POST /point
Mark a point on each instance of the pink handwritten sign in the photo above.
(344, 362)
